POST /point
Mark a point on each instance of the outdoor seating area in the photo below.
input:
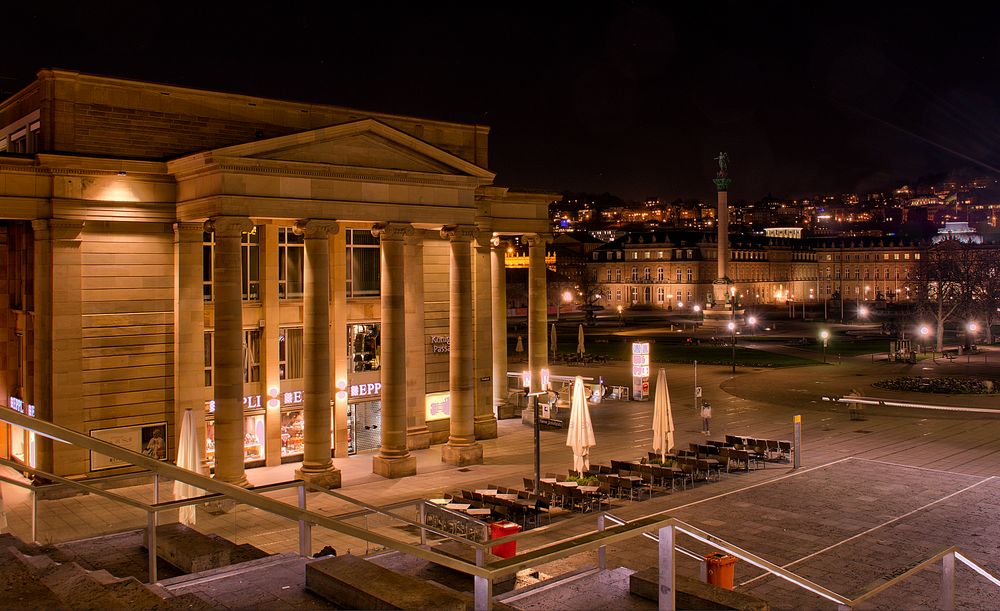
(576, 358)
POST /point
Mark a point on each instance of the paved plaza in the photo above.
(872, 498)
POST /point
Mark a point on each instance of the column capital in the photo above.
(392, 231)
(228, 225)
(57, 229)
(459, 233)
(537, 239)
(316, 228)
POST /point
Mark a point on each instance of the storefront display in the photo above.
(364, 347)
(364, 421)
(292, 433)
(22, 441)
(253, 439)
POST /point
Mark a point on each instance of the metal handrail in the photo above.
(655, 539)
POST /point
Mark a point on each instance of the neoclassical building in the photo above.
(311, 280)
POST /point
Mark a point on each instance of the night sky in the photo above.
(631, 98)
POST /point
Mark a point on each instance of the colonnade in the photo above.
(477, 329)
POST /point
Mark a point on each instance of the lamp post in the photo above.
(924, 332)
(621, 318)
(970, 335)
(825, 335)
(732, 329)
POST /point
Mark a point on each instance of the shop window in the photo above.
(292, 433)
(251, 355)
(253, 439)
(290, 353)
(364, 346)
(209, 358)
(291, 263)
(363, 269)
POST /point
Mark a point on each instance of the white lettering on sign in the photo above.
(440, 344)
(18, 406)
(293, 398)
(366, 390)
(250, 402)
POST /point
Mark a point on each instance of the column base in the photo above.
(461, 456)
(418, 438)
(486, 427)
(393, 468)
(326, 478)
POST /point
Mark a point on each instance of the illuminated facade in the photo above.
(311, 280)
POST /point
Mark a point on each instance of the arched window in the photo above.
(609, 274)
(659, 274)
(635, 274)
(645, 274)
(659, 294)
(678, 274)
(618, 275)
(690, 276)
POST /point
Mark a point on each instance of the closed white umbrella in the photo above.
(663, 420)
(580, 348)
(552, 340)
(188, 457)
(581, 432)
(520, 345)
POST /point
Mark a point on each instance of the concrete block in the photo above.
(694, 594)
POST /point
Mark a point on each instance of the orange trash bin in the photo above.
(721, 569)
(501, 529)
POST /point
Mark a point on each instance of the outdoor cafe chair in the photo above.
(785, 449)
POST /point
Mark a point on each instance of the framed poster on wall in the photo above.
(148, 439)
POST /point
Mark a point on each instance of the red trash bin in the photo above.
(501, 529)
(721, 568)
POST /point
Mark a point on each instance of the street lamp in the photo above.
(971, 328)
(621, 319)
(732, 329)
(567, 297)
(825, 335)
(924, 332)
(863, 312)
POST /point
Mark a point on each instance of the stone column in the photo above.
(418, 436)
(189, 328)
(393, 460)
(58, 335)
(228, 347)
(485, 420)
(537, 310)
(270, 306)
(316, 465)
(462, 448)
(723, 228)
(499, 295)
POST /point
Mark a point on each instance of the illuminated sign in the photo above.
(18, 406)
(366, 390)
(250, 402)
(437, 406)
(292, 398)
(640, 371)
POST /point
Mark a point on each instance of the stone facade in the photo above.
(130, 232)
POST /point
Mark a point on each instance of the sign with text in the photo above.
(148, 439)
(251, 402)
(440, 344)
(371, 389)
(640, 371)
(20, 406)
(437, 406)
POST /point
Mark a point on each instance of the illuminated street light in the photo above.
(863, 312)
(824, 335)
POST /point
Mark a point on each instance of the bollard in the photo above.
(797, 450)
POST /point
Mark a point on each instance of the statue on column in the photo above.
(723, 160)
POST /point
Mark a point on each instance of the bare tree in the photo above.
(986, 290)
(945, 283)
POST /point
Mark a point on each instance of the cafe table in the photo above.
(439, 501)
(548, 480)
(507, 497)
(589, 488)
(472, 511)
(458, 506)
(487, 492)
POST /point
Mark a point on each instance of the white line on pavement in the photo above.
(872, 529)
(896, 464)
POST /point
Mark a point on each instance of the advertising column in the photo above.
(640, 371)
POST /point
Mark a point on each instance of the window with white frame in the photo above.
(645, 274)
(690, 275)
(659, 274)
(660, 293)
(678, 274)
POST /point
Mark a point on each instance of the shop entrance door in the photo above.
(365, 420)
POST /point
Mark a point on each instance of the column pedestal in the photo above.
(462, 456)
(395, 467)
(326, 478)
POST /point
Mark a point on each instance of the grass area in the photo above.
(676, 351)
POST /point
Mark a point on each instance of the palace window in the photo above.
(635, 274)
(690, 275)
(678, 274)
(659, 274)
(660, 293)
(291, 263)
(618, 274)
(363, 264)
(645, 274)
(290, 353)
(609, 274)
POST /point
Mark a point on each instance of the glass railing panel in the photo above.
(65, 513)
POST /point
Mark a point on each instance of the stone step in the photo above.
(694, 593)
(582, 591)
(76, 587)
(193, 552)
(20, 588)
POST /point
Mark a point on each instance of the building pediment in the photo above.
(366, 144)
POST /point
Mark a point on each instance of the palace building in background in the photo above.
(313, 281)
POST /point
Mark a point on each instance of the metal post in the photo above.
(423, 520)
(156, 496)
(703, 570)
(797, 450)
(947, 602)
(666, 598)
(538, 449)
(697, 398)
(602, 552)
(34, 516)
(151, 544)
(482, 586)
(305, 528)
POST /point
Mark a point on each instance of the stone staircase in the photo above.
(30, 579)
